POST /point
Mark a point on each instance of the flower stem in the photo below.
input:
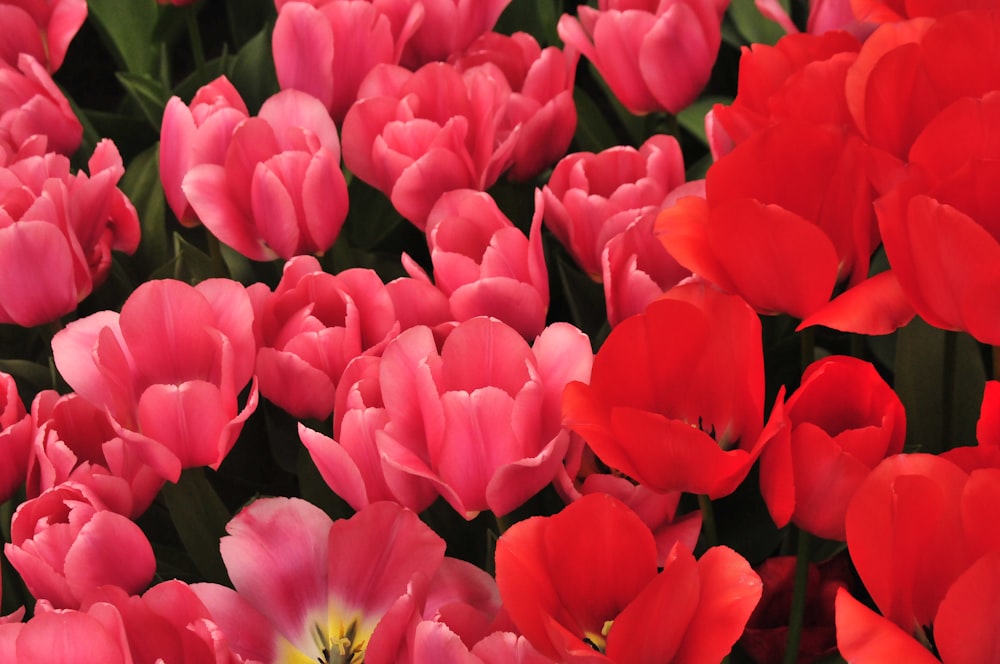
(796, 619)
(194, 36)
(708, 521)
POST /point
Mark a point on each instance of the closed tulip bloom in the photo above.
(75, 440)
(68, 222)
(541, 101)
(65, 544)
(479, 415)
(16, 432)
(327, 48)
(32, 105)
(484, 264)
(195, 134)
(169, 369)
(590, 198)
(680, 416)
(843, 420)
(415, 136)
(42, 29)
(655, 55)
(583, 586)
(280, 190)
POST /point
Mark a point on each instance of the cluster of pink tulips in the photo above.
(492, 331)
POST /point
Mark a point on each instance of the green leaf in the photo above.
(148, 93)
(246, 16)
(200, 518)
(141, 184)
(128, 28)
(192, 264)
(25, 371)
(252, 71)
(940, 379)
(371, 217)
(753, 26)
(692, 118)
(593, 133)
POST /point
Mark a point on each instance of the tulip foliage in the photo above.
(491, 331)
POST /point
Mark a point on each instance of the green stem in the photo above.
(194, 36)
(796, 619)
(708, 521)
(215, 253)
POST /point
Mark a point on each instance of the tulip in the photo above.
(32, 105)
(69, 223)
(541, 100)
(480, 417)
(654, 55)
(196, 134)
(16, 431)
(843, 420)
(280, 190)
(311, 326)
(168, 370)
(683, 416)
(327, 48)
(484, 264)
(590, 198)
(415, 136)
(586, 579)
(76, 441)
(41, 29)
(65, 544)
(307, 586)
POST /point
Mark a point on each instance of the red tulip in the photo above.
(197, 134)
(484, 264)
(888, 11)
(65, 544)
(168, 369)
(586, 579)
(280, 190)
(843, 420)
(679, 416)
(415, 136)
(591, 198)
(655, 56)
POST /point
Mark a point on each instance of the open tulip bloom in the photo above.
(499, 331)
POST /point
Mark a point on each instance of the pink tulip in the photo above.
(280, 190)
(541, 100)
(65, 636)
(307, 586)
(42, 29)
(168, 369)
(590, 198)
(32, 105)
(76, 441)
(635, 265)
(351, 462)
(311, 326)
(447, 27)
(655, 55)
(415, 136)
(197, 134)
(16, 430)
(68, 223)
(481, 417)
(327, 47)
(65, 543)
(484, 264)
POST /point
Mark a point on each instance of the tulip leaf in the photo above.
(940, 380)
(753, 26)
(593, 133)
(252, 71)
(583, 296)
(200, 518)
(25, 371)
(246, 16)
(128, 28)
(371, 217)
(192, 264)
(692, 118)
(148, 93)
(141, 183)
